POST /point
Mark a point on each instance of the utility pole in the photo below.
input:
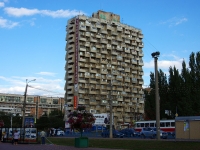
(24, 104)
(155, 55)
(111, 114)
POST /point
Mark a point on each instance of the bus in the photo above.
(165, 125)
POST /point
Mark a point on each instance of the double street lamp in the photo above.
(155, 55)
(24, 104)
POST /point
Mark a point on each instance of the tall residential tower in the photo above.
(103, 64)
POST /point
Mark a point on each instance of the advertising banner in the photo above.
(102, 119)
(75, 102)
(29, 122)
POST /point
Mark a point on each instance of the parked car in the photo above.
(163, 134)
(60, 132)
(147, 132)
(152, 133)
(116, 134)
(129, 132)
(55, 132)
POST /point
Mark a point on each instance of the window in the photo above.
(151, 124)
(43, 100)
(55, 101)
(172, 124)
(167, 124)
(162, 124)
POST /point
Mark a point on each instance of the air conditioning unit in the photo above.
(92, 111)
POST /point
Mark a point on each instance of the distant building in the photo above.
(36, 106)
(101, 51)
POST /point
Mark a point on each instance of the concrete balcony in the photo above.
(127, 120)
(93, 40)
(93, 103)
(141, 82)
(127, 80)
(127, 100)
(119, 49)
(104, 41)
(104, 51)
(114, 33)
(141, 45)
(140, 36)
(141, 111)
(81, 59)
(81, 91)
(120, 120)
(114, 43)
(120, 99)
(109, 46)
(134, 61)
(82, 28)
(127, 41)
(133, 52)
(82, 80)
(83, 49)
(93, 29)
(127, 32)
(127, 90)
(127, 60)
(93, 60)
(92, 81)
(104, 31)
(127, 70)
(127, 51)
(119, 29)
(114, 53)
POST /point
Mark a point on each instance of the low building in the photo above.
(36, 106)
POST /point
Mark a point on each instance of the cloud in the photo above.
(4, 23)
(164, 64)
(42, 86)
(174, 21)
(1, 4)
(19, 12)
(46, 73)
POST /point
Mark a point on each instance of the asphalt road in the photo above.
(9, 146)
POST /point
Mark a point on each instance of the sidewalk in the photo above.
(9, 146)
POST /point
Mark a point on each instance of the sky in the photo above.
(32, 38)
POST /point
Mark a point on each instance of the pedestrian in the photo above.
(16, 137)
(0, 134)
(43, 135)
(4, 136)
(52, 132)
(56, 132)
(48, 132)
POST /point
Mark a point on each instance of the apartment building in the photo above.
(104, 66)
(36, 106)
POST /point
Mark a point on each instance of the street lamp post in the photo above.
(111, 114)
(24, 104)
(155, 55)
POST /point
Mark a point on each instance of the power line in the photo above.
(151, 44)
(45, 90)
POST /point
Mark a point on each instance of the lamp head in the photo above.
(155, 54)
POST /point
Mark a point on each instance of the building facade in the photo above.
(104, 66)
(36, 106)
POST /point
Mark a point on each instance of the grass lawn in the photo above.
(131, 144)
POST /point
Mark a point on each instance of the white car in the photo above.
(59, 132)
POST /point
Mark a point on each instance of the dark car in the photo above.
(129, 132)
(163, 134)
(116, 134)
